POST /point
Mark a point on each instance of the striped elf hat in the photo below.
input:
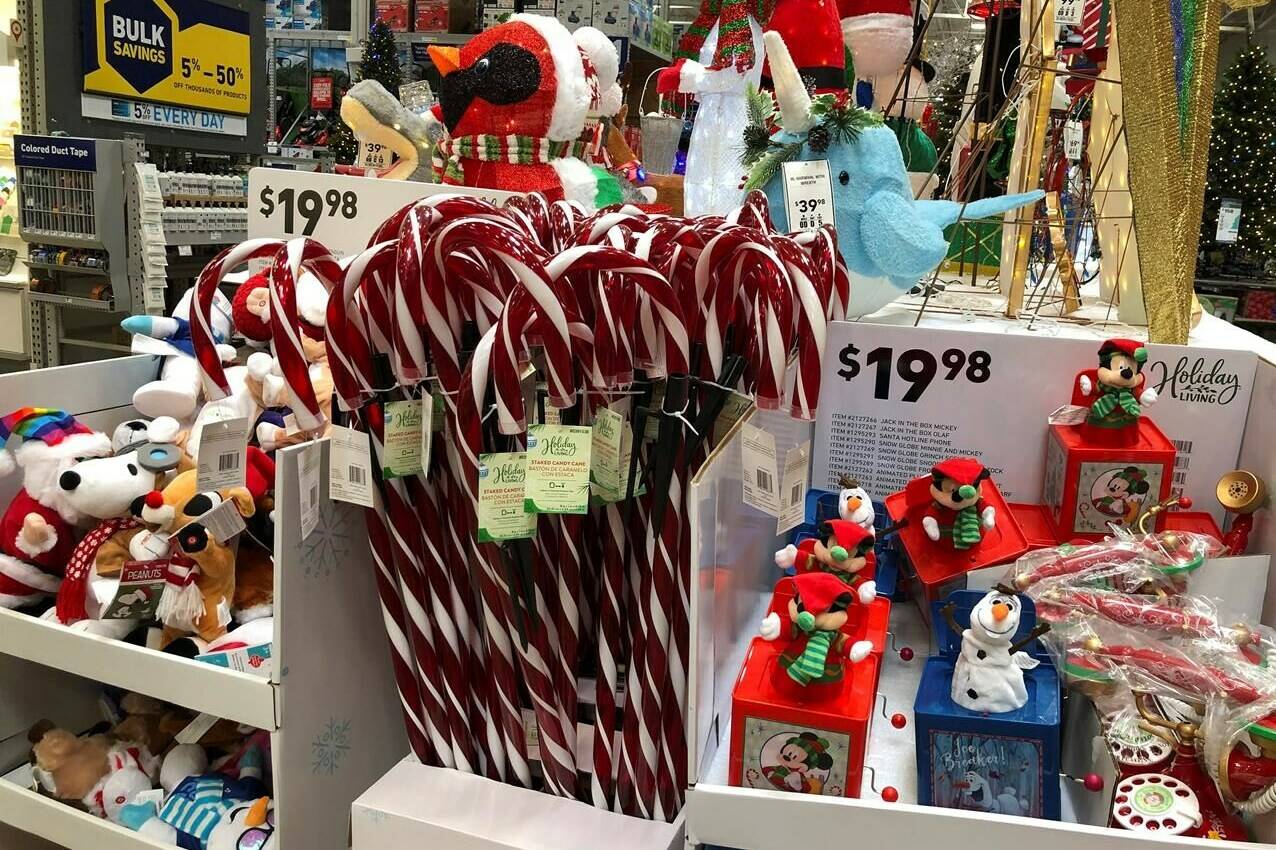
(47, 424)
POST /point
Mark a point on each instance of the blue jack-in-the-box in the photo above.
(821, 505)
(1005, 763)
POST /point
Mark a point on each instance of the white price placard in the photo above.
(1229, 221)
(1069, 12)
(374, 155)
(895, 400)
(339, 211)
(1073, 141)
(808, 194)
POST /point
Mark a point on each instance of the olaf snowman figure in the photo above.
(854, 504)
(988, 676)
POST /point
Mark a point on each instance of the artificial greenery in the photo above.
(380, 63)
(837, 121)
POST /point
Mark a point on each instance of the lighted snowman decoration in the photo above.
(988, 676)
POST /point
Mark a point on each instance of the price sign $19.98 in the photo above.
(916, 369)
(303, 210)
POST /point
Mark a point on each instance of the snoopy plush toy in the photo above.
(988, 676)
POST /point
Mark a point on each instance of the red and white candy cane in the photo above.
(290, 261)
(813, 293)
(202, 338)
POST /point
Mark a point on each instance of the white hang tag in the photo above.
(308, 475)
(808, 194)
(1073, 141)
(1068, 414)
(196, 729)
(761, 487)
(223, 521)
(797, 467)
(350, 467)
(223, 453)
(1069, 12)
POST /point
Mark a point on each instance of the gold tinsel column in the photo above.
(1168, 99)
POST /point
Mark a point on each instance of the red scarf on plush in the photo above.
(71, 597)
(735, 40)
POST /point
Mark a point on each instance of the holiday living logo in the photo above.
(509, 473)
(558, 446)
(1194, 380)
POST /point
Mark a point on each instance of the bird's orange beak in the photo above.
(446, 59)
(1000, 611)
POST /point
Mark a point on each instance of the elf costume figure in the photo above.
(846, 553)
(817, 613)
(957, 513)
(1115, 385)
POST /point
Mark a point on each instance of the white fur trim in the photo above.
(21, 542)
(312, 301)
(691, 77)
(578, 179)
(7, 463)
(879, 42)
(32, 577)
(611, 101)
(253, 613)
(571, 103)
(602, 52)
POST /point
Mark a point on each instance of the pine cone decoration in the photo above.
(818, 138)
(756, 137)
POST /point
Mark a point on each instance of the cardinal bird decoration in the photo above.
(514, 101)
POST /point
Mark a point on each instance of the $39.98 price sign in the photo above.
(916, 368)
(302, 210)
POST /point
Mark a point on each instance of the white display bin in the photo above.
(733, 553)
(330, 703)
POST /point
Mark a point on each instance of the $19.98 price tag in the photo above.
(916, 368)
(302, 210)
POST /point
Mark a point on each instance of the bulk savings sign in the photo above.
(192, 53)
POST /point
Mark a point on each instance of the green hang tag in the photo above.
(558, 469)
(404, 440)
(436, 424)
(501, 516)
(604, 472)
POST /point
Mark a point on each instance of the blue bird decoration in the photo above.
(888, 239)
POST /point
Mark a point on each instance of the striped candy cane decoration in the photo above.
(285, 322)
(212, 374)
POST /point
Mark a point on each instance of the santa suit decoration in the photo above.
(879, 34)
(514, 100)
(37, 529)
(817, 613)
(812, 32)
(1116, 391)
(846, 553)
(958, 514)
(988, 675)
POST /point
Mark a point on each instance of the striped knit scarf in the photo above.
(1111, 399)
(966, 531)
(182, 602)
(519, 150)
(72, 597)
(810, 664)
(735, 41)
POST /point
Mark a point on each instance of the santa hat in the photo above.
(260, 473)
(879, 34)
(811, 31)
(46, 424)
(250, 326)
(966, 471)
(820, 591)
(1129, 347)
(1131, 474)
(850, 536)
(574, 88)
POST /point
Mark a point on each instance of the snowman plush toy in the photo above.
(854, 505)
(988, 676)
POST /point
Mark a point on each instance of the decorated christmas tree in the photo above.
(950, 103)
(1242, 161)
(380, 63)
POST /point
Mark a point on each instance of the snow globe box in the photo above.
(1005, 763)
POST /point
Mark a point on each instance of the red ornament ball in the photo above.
(906, 653)
(1184, 502)
(899, 721)
(1093, 782)
(889, 794)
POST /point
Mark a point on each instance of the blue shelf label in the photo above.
(55, 152)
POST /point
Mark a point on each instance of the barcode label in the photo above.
(308, 480)
(222, 449)
(314, 494)
(228, 461)
(764, 481)
(1182, 461)
(1184, 446)
(795, 494)
(356, 474)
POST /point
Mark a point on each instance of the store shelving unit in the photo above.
(329, 702)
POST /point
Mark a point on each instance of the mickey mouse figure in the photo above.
(799, 760)
(1114, 385)
(957, 512)
(1123, 495)
(817, 613)
(846, 552)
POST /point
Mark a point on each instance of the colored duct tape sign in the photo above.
(192, 53)
(55, 152)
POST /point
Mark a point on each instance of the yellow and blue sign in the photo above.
(190, 53)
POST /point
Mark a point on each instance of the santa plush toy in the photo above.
(988, 675)
(514, 101)
(817, 613)
(846, 552)
(957, 513)
(37, 529)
